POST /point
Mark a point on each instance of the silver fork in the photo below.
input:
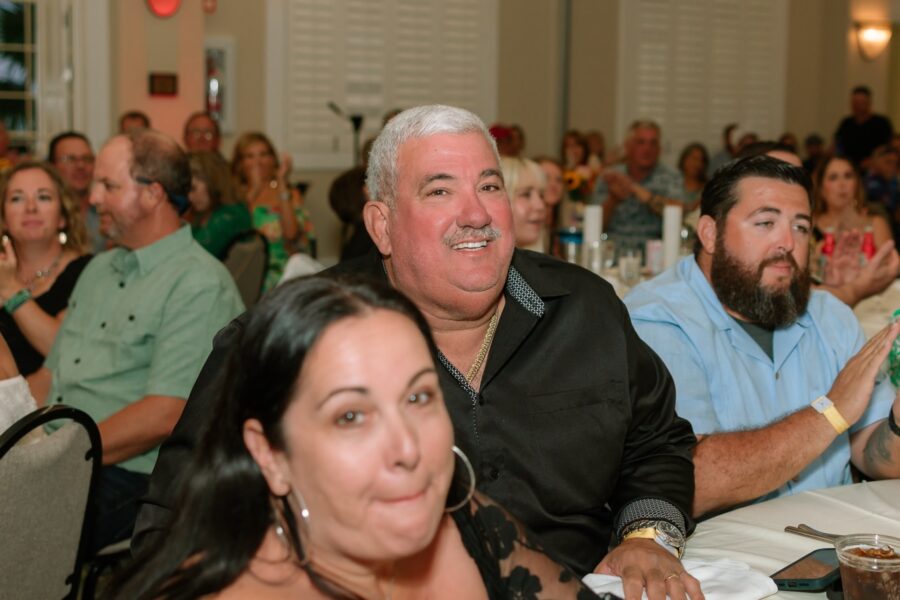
(807, 531)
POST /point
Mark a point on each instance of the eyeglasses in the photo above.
(71, 159)
(201, 134)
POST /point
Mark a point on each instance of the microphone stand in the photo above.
(356, 121)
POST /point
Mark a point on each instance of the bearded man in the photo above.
(777, 381)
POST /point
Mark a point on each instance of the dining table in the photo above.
(754, 534)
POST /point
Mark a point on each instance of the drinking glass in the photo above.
(630, 267)
(870, 566)
(593, 257)
(609, 252)
(570, 242)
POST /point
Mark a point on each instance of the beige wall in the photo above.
(531, 74)
(144, 43)
(594, 66)
(808, 45)
(530, 71)
(244, 22)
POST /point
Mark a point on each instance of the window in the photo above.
(696, 65)
(38, 80)
(18, 70)
(370, 57)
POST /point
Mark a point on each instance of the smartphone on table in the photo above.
(814, 572)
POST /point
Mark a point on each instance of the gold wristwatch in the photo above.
(662, 532)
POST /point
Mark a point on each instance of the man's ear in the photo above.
(271, 462)
(706, 233)
(154, 196)
(376, 215)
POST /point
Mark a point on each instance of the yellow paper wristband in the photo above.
(836, 420)
(826, 407)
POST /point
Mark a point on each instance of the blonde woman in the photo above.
(276, 208)
(525, 182)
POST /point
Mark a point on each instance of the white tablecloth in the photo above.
(875, 312)
(755, 534)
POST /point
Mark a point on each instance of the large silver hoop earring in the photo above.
(63, 237)
(303, 511)
(301, 517)
(281, 526)
(292, 525)
(465, 460)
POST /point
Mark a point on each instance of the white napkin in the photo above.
(720, 580)
(299, 265)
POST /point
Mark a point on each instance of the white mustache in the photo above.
(487, 233)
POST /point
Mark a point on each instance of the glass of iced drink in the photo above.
(870, 566)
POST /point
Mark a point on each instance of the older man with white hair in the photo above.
(566, 415)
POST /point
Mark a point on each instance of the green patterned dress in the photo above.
(267, 222)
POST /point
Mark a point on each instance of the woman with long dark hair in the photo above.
(330, 470)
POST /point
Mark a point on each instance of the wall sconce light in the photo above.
(163, 8)
(872, 39)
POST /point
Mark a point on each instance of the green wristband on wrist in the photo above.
(17, 300)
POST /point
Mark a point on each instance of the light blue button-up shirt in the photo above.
(725, 382)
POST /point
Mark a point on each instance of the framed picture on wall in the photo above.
(219, 81)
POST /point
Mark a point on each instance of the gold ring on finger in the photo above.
(671, 575)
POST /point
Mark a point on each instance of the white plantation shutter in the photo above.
(696, 65)
(368, 57)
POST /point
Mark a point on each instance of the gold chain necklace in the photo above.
(485, 344)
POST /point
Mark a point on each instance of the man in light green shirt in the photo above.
(140, 322)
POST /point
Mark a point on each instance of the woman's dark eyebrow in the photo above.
(342, 390)
(414, 378)
(365, 391)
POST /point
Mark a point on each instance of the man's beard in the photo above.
(739, 289)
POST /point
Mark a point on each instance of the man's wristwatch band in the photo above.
(827, 409)
(662, 532)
